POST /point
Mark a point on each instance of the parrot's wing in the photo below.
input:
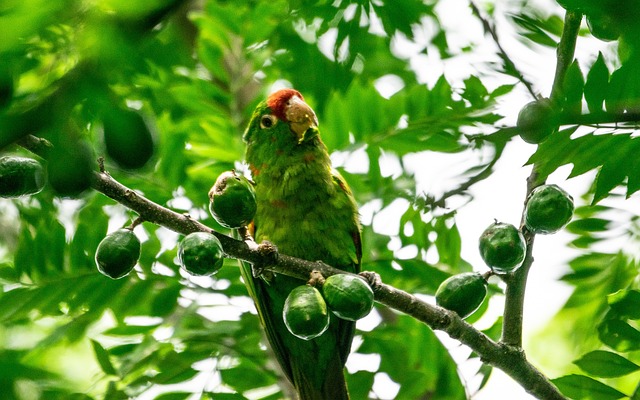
(347, 328)
(344, 188)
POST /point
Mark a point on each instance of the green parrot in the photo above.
(307, 210)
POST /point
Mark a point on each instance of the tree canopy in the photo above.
(135, 108)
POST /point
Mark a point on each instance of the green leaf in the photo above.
(595, 88)
(474, 90)
(625, 303)
(421, 366)
(228, 396)
(605, 364)
(174, 396)
(615, 154)
(174, 375)
(586, 225)
(535, 28)
(360, 384)
(129, 330)
(102, 356)
(448, 242)
(579, 387)
(8, 273)
(246, 376)
(573, 87)
(619, 335)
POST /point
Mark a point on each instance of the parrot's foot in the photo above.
(372, 278)
(269, 254)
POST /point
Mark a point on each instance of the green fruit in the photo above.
(305, 313)
(118, 253)
(348, 296)
(232, 200)
(69, 169)
(548, 209)
(200, 253)
(20, 176)
(603, 27)
(502, 247)
(128, 138)
(462, 293)
(536, 121)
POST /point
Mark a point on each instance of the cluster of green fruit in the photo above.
(232, 204)
(199, 253)
(128, 140)
(306, 309)
(503, 248)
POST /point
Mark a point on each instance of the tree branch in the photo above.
(516, 282)
(509, 359)
(565, 52)
(509, 65)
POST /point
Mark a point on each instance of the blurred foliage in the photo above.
(194, 70)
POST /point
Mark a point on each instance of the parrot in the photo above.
(306, 209)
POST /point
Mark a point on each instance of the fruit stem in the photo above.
(315, 278)
(135, 223)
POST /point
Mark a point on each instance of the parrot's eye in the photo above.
(267, 121)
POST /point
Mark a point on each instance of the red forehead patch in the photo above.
(277, 101)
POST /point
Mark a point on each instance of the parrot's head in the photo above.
(284, 120)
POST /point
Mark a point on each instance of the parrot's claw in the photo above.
(372, 278)
(269, 253)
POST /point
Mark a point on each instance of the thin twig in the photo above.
(491, 30)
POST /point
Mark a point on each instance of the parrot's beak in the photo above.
(302, 119)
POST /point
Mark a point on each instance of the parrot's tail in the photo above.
(333, 388)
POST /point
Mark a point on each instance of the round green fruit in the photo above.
(305, 313)
(548, 209)
(118, 253)
(232, 200)
(348, 296)
(127, 137)
(462, 293)
(502, 247)
(603, 27)
(20, 176)
(70, 169)
(536, 121)
(200, 253)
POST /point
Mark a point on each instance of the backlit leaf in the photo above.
(579, 387)
(605, 364)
